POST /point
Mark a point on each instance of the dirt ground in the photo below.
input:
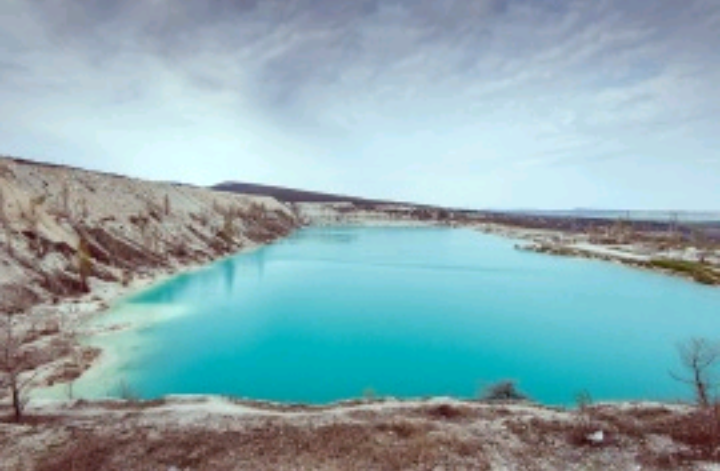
(213, 433)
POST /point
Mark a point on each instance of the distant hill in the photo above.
(290, 195)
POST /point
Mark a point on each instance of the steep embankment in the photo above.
(128, 227)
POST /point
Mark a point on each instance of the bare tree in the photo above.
(153, 239)
(228, 231)
(700, 241)
(65, 198)
(126, 277)
(256, 212)
(5, 223)
(3, 214)
(16, 367)
(699, 356)
(84, 211)
(35, 204)
(6, 171)
(673, 226)
(84, 262)
(30, 215)
(217, 207)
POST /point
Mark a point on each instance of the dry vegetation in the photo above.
(212, 433)
(66, 229)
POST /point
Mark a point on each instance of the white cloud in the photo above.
(335, 96)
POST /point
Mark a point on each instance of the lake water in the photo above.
(332, 313)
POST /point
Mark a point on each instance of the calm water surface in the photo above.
(330, 313)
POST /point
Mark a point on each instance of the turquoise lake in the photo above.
(331, 313)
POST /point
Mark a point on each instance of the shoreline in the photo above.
(90, 336)
(107, 362)
(550, 242)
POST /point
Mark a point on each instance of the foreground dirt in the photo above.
(211, 433)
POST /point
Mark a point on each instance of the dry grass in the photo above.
(457, 435)
(269, 445)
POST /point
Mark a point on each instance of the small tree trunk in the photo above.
(17, 407)
(703, 400)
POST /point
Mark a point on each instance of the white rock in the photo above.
(597, 437)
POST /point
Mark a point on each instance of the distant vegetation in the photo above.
(290, 195)
(698, 271)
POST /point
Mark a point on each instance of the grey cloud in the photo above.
(637, 63)
(297, 49)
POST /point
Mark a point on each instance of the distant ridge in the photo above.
(290, 195)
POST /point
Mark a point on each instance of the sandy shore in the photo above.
(644, 256)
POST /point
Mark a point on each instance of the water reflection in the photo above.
(215, 282)
(256, 259)
(325, 236)
(413, 312)
(228, 270)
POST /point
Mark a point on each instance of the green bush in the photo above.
(698, 271)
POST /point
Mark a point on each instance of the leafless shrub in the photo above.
(17, 367)
(200, 218)
(65, 198)
(505, 390)
(143, 223)
(6, 171)
(3, 214)
(5, 224)
(70, 389)
(154, 240)
(9, 241)
(228, 232)
(447, 412)
(256, 212)
(83, 207)
(31, 215)
(583, 400)
(36, 203)
(84, 264)
(217, 207)
(699, 356)
(126, 278)
(702, 243)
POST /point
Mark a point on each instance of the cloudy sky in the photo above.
(475, 103)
